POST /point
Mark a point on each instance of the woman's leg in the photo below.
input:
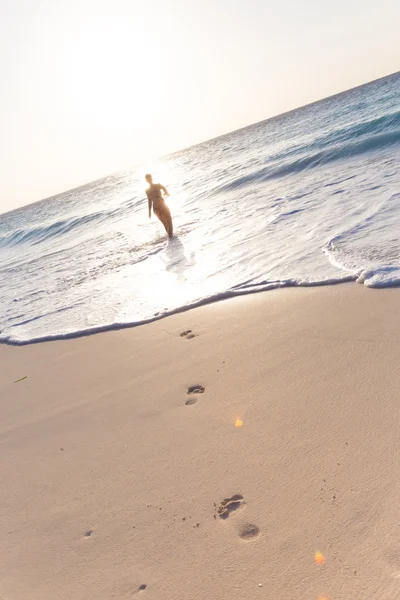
(168, 222)
(164, 215)
(160, 216)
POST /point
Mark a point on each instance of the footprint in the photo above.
(229, 505)
(196, 389)
(189, 335)
(142, 587)
(89, 533)
(248, 532)
(191, 401)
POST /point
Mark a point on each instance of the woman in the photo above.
(156, 200)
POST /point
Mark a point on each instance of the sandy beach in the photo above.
(117, 483)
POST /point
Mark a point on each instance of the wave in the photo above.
(37, 235)
(385, 123)
(345, 151)
(369, 249)
(349, 133)
(237, 290)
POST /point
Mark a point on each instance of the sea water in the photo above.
(309, 197)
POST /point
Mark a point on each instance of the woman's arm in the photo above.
(164, 190)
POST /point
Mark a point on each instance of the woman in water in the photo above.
(156, 200)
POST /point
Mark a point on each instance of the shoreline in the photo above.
(220, 297)
(114, 476)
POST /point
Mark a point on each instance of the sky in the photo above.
(90, 88)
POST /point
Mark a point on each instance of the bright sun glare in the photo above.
(116, 78)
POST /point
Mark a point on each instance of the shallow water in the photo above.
(310, 197)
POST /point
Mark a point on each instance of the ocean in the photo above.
(311, 197)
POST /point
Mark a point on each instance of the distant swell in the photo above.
(384, 124)
(37, 235)
(340, 152)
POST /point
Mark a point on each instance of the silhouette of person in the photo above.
(156, 200)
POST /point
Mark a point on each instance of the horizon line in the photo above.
(276, 116)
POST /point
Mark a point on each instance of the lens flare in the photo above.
(238, 423)
(319, 558)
